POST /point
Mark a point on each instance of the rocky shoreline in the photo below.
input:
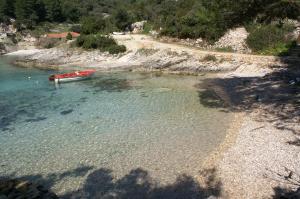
(144, 53)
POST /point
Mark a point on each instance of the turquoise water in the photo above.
(118, 121)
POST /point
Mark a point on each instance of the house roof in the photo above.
(62, 35)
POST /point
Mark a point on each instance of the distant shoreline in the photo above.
(146, 54)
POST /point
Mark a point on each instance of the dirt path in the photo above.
(135, 42)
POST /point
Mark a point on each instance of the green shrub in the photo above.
(147, 28)
(69, 36)
(196, 23)
(269, 39)
(92, 25)
(116, 49)
(210, 58)
(280, 49)
(103, 43)
(76, 28)
(90, 42)
(123, 19)
(80, 40)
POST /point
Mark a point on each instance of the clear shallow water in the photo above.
(116, 121)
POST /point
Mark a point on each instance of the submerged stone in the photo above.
(66, 112)
(36, 119)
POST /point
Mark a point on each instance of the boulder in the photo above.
(138, 27)
(29, 38)
(7, 46)
(7, 28)
(199, 41)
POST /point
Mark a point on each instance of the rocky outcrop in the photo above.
(182, 62)
(144, 53)
(234, 39)
(138, 27)
(23, 189)
(27, 42)
(296, 23)
(8, 28)
(149, 59)
(8, 42)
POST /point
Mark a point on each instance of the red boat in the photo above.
(69, 77)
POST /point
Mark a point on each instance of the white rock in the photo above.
(138, 27)
(236, 39)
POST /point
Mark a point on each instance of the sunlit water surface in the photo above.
(116, 121)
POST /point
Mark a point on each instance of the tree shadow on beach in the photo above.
(51, 179)
(275, 98)
(290, 181)
(138, 184)
(276, 95)
(284, 193)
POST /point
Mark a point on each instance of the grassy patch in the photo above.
(210, 58)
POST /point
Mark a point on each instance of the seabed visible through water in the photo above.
(114, 125)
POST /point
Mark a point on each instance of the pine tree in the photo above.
(3, 9)
(53, 10)
(6, 9)
(25, 11)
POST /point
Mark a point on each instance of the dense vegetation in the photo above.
(183, 18)
(208, 19)
(270, 39)
(103, 43)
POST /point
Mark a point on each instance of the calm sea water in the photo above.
(116, 122)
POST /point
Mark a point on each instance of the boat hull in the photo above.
(71, 77)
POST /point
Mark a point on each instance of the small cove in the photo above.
(118, 122)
